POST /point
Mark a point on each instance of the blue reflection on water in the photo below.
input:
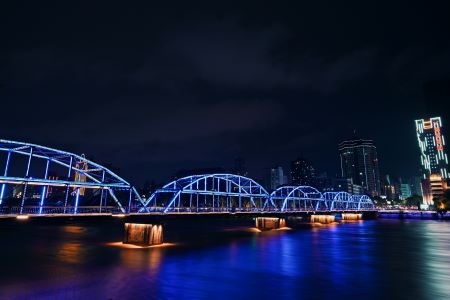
(369, 259)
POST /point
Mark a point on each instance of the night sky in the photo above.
(158, 88)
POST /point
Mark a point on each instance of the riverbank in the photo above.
(412, 214)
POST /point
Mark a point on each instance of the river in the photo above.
(376, 259)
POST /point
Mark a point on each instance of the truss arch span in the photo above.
(34, 177)
(362, 202)
(209, 193)
(294, 198)
(338, 200)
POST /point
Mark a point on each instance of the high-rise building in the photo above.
(433, 158)
(431, 143)
(357, 190)
(346, 185)
(277, 177)
(323, 183)
(359, 162)
(416, 186)
(302, 172)
(390, 188)
(405, 191)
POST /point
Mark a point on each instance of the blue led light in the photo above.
(197, 193)
(93, 176)
(211, 187)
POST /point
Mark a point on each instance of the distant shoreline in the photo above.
(412, 214)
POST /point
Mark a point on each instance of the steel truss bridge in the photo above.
(38, 180)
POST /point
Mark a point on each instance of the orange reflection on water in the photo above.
(131, 246)
(136, 259)
(283, 228)
(73, 229)
(333, 224)
(70, 253)
(352, 221)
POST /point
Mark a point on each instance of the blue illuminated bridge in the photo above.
(38, 180)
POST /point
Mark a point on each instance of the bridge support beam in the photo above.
(143, 234)
(265, 223)
(323, 219)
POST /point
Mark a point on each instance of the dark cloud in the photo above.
(153, 89)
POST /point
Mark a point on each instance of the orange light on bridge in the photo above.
(22, 217)
(119, 216)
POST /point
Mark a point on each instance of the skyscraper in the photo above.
(405, 191)
(359, 162)
(302, 172)
(277, 177)
(416, 186)
(433, 158)
(431, 143)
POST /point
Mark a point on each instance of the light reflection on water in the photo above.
(369, 260)
(71, 253)
(437, 259)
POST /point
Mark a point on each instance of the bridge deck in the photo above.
(180, 214)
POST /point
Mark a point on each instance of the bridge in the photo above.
(235, 193)
(40, 181)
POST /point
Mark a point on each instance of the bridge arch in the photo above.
(297, 198)
(209, 193)
(362, 202)
(338, 200)
(38, 172)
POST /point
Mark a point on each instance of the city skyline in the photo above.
(233, 167)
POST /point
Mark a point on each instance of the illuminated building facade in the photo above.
(359, 162)
(431, 143)
(433, 158)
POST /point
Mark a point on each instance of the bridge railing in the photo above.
(237, 210)
(201, 209)
(59, 210)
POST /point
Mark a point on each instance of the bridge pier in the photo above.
(351, 216)
(323, 219)
(143, 234)
(265, 223)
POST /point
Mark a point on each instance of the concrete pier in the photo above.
(265, 223)
(323, 219)
(143, 234)
(351, 217)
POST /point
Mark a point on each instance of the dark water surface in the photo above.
(382, 259)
